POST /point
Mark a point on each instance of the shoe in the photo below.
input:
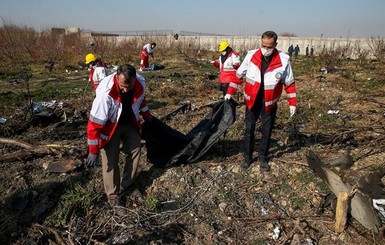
(114, 201)
(263, 165)
(246, 164)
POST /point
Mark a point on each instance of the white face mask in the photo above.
(266, 52)
(223, 53)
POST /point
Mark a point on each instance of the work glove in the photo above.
(91, 160)
(148, 119)
(292, 110)
(227, 96)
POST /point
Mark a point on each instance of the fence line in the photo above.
(206, 41)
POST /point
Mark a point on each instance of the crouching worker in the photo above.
(97, 69)
(147, 50)
(115, 118)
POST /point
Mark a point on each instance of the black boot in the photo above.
(246, 163)
(263, 165)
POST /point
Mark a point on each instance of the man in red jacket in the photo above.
(147, 50)
(115, 118)
(267, 71)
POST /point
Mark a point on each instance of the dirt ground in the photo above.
(49, 197)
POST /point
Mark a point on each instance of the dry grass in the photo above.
(212, 201)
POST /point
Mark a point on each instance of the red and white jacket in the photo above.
(146, 51)
(107, 108)
(227, 69)
(97, 73)
(277, 76)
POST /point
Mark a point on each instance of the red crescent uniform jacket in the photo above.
(106, 110)
(277, 76)
(146, 51)
(227, 69)
(97, 73)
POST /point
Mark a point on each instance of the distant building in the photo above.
(72, 30)
(65, 31)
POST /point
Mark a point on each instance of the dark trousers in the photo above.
(224, 87)
(267, 122)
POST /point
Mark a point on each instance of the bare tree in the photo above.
(377, 47)
(345, 51)
(74, 51)
(17, 45)
(332, 55)
(361, 53)
(104, 45)
(51, 48)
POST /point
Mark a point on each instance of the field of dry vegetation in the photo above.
(49, 197)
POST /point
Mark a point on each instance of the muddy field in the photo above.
(49, 197)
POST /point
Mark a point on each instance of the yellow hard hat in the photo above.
(222, 46)
(89, 58)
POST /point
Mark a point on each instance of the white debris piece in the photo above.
(276, 233)
(379, 205)
(333, 112)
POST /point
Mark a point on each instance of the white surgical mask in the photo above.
(267, 52)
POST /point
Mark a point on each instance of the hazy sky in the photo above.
(332, 18)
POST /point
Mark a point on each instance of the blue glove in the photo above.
(91, 160)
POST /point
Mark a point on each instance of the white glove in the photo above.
(212, 62)
(227, 96)
(292, 110)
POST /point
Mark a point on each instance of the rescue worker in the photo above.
(312, 51)
(97, 69)
(267, 71)
(116, 117)
(296, 51)
(228, 64)
(290, 50)
(147, 50)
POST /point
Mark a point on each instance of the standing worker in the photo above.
(147, 50)
(228, 64)
(312, 51)
(116, 117)
(290, 50)
(267, 71)
(97, 70)
(296, 51)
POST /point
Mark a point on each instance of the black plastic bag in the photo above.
(167, 146)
